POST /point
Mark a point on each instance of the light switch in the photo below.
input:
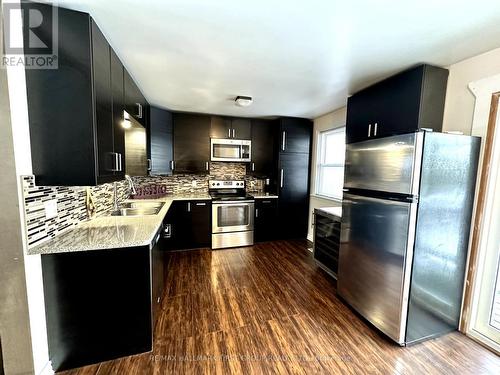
(50, 208)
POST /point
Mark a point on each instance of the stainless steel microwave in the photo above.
(236, 150)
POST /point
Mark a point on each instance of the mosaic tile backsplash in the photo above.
(71, 199)
(198, 184)
(71, 208)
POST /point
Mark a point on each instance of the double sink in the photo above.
(138, 209)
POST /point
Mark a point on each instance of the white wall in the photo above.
(459, 105)
(32, 264)
(331, 120)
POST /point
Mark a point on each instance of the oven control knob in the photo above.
(218, 183)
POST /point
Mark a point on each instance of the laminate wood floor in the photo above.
(269, 309)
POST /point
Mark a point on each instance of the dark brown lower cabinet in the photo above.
(266, 217)
(190, 223)
(293, 182)
(98, 305)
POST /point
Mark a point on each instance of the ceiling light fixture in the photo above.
(243, 101)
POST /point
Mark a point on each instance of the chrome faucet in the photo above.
(130, 185)
(115, 197)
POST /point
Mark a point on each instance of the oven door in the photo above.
(232, 216)
(230, 150)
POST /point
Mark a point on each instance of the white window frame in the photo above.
(320, 164)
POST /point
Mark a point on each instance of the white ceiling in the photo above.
(296, 58)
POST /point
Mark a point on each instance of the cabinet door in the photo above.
(220, 127)
(241, 128)
(158, 280)
(179, 221)
(266, 218)
(200, 223)
(160, 142)
(293, 195)
(396, 103)
(118, 107)
(359, 117)
(107, 160)
(295, 135)
(191, 143)
(135, 103)
(263, 140)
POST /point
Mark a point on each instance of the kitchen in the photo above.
(160, 237)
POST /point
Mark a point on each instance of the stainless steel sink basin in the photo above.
(142, 205)
(136, 211)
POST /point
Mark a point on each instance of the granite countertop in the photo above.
(110, 232)
(334, 211)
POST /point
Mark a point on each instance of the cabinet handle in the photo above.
(150, 164)
(234, 133)
(253, 167)
(172, 165)
(281, 178)
(283, 141)
(229, 133)
(256, 212)
(369, 130)
(266, 201)
(375, 129)
(115, 167)
(120, 162)
(113, 161)
(189, 206)
(206, 165)
(201, 204)
(139, 110)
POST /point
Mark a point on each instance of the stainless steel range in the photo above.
(232, 214)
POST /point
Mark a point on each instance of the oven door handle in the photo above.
(215, 203)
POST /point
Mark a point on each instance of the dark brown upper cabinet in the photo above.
(404, 103)
(263, 142)
(230, 127)
(135, 103)
(76, 111)
(160, 142)
(191, 143)
(295, 135)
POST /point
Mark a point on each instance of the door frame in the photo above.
(479, 217)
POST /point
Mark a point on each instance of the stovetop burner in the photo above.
(228, 190)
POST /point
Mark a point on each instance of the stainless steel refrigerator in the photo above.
(407, 210)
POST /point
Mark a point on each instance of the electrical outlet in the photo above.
(194, 184)
(50, 208)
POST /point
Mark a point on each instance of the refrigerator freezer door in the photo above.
(449, 167)
(375, 258)
(389, 164)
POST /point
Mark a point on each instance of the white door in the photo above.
(486, 301)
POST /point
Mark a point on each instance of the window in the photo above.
(330, 169)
